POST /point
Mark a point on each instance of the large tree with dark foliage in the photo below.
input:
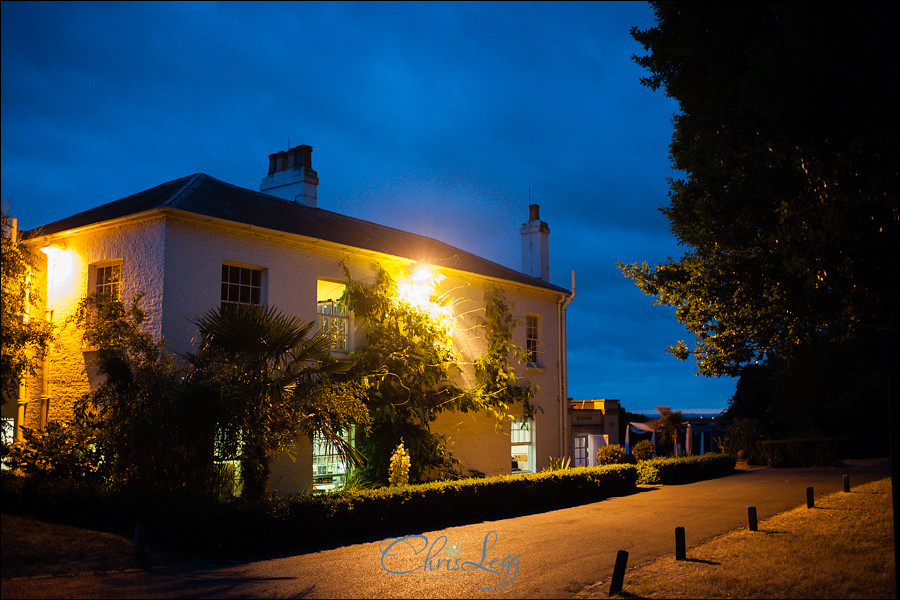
(788, 209)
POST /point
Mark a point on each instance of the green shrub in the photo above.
(59, 451)
(643, 450)
(668, 471)
(611, 455)
(302, 522)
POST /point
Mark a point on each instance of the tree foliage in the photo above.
(23, 341)
(787, 135)
(154, 431)
(271, 379)
(410, 366)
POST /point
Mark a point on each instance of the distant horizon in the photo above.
(686, 411)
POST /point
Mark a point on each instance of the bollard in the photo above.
(846, 483)
(615, 586)
(809, 498)
(680, 553)
(751, 514)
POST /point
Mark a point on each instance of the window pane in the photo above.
(245, 276)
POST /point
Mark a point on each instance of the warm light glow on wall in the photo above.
(418, 288)
(59, 267)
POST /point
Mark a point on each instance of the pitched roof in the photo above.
(205, 195)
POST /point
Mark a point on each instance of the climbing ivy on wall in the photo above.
(410, 364)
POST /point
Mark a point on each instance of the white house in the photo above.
(193, 243)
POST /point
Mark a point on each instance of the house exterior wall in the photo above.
(176, 259)
(140, 246)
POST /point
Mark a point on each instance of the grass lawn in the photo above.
(841, 548)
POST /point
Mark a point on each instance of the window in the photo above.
(521, 438)
(106, 278)
(332, 315)
(329, 469)
(241, 285)
(532, 339)
(109, 280)
(580, 451)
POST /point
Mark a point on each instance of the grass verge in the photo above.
(841, 548)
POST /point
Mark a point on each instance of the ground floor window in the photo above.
(330, 470)
(580, 451)
(522, 445)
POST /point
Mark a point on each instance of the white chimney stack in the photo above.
(291, 176)
(535, 245)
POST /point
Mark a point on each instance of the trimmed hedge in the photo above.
(669, 471)
(314, 521)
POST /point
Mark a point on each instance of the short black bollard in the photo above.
(751, 514)
(615, 586)
(680, 553)
(846, 483)
(809, 498)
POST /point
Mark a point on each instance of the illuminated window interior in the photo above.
(332, 315)
(329, 469)
(522, 443)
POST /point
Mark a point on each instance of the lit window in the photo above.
(332, 315)
(532, 339)
(241, 285)
(329, 469)
(521, 441)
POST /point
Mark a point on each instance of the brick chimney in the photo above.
(535, 245)
(291, 176)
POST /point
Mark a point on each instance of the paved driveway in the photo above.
(548, 555)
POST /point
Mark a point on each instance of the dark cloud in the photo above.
(445, 119)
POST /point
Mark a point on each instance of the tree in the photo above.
(271, 378)
(667, 428)
(787, 134)
(23, 340)
(409, 362)
(154, 431)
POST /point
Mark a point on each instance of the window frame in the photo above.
(517, 444)
(533, 342)
(241, 285)
(94, 273)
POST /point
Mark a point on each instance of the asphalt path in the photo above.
(555, 554)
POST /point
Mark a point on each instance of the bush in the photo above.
(307, 522)
(57, 452)
(611, 455)
(643, 450)
(668, 471)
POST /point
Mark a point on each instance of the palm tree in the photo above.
(273, 378)
(668, 425)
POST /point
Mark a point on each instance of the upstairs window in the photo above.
(332, 315)
(106, 278)
(241, 285)
(109, 280)
(532, 339)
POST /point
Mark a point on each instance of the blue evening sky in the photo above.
(435, 118)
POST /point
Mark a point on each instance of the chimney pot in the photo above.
(534, 212)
